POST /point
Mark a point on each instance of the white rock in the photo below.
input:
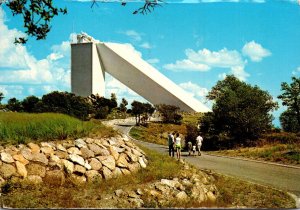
(109, 162)
(77, 159)
(142, 163)
(182, 195)
(5, 157)
(69, 166)
(80, 143)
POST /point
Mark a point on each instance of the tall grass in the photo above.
(23, 127)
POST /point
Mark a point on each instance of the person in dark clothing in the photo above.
(171, 144)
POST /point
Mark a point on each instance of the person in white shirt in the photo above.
(178, 146)
(199, 140)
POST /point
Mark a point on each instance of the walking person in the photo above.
(178, 146)
(171, 144)
(190, 146)
(199, 140)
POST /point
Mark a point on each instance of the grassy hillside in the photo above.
(23, 127)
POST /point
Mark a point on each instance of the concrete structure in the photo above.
(91, 59)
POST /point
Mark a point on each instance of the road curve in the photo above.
(280, 177)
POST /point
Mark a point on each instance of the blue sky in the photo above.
(195, 43)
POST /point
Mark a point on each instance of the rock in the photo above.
(74, 151)
(21, 159)
(109, 162)
(47, 150)
(136, 152)
(2, 181)
(56, 177)
(34, 147)
(69, 166)
(77, 159)
(119, 192)
(134, 167)
(61, 148)
(187, 183)
(93, 175)
(139, 191)
(198, 193)
(77, 180)
(119, 149)
(26, 153)
(112, 141)
(95, 164)
(98, 150)
(36, 169)
(86, 153)
(170, 183)
(48, 144)
(87, 165)
(34, 179)
(125, 171)
(89, 140)
(142, 163)
(61, 154)
(40, 158)
(78, 169)
(182, 196)
(107, 174)
(211, 197)
(80, 143)
(117, 172)
(132, 157)
(122, 162)
(56, 159)
(21, 169)
(7, 158)
(7, 170)
(114, 153)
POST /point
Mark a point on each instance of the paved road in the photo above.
(284, 178)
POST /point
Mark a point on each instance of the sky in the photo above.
(195, 43)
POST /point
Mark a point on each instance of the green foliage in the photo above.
(123, 105)
(1, 96)
(21, 127)
(241, 112)
(29, 104)
(14, 105)
(191, 134)
(141, 111)
(170, 113)
(291, 98)
(36, 15)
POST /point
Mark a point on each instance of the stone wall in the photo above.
(81, 160)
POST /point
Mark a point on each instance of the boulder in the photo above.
(182, 196)
(142, 162)
(95, 164)
(48, 144)
(6, 157)
(26, 153)
(98, 150)
(61, 154)
(89, 140)
(36, 169)
(74, 151)
(132, 156)
(119, 192)
(80, 143)
(77, 159)
(93, 175)
(107, 174)
(55, 177)
(68, 166)
(7, 170)
(86, 153)
(117, 172)
(125, 171)
(40, 158)
(21, 169)
(211, 197)
(109, 162)
(134, 167)
(122, 162)
(21, 159)
(77, 180)
(47, 150)
(34, 179)
(136, 152)
(61, 148)
(114, 153)
(34, 147)
(87, 165)
(78, 169)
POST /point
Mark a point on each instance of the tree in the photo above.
(1, 97)
(288, 121)
(240, 112)
(37, 15)
(123, 105)
(291, 98)
(14, 105)
(29, 103)
(113, 99)
(170, 113)
(137, 111)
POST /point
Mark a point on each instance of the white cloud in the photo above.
(153, 60)
(297, 71)
(187, 65)
(146, 45)
(19, 66)
(239, 72)
(255, 51)
(195, 89)
(133, 35)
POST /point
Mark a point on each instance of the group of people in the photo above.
(174, 142)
